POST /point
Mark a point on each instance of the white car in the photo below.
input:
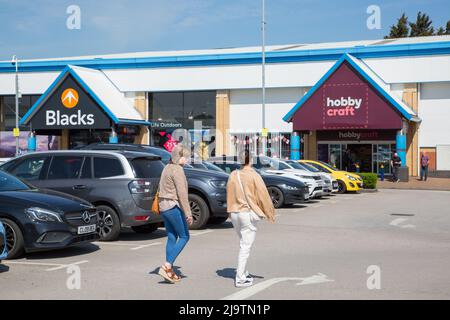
(314, 181)
(332, 184)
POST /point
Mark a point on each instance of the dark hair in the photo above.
(245, 158)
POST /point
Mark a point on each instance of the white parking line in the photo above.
(146, 245)
(317, 206)
(397, 223)
(53, 266)
(63, 266)
(250, 291)
(201, 233)
(116, 244)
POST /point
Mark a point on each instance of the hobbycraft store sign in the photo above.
(346, 101)
(70, 107)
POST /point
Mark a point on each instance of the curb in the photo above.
(368, 190)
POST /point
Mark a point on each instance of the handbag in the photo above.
(155, 204)
(254, 215)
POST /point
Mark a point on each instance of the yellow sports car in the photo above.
(347, 181)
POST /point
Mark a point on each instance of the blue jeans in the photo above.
(177, 232)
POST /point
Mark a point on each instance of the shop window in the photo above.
(8, 110)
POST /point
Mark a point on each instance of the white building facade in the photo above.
(222, 90)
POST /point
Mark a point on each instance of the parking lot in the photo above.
(325, 249)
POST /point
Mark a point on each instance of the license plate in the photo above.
(86, 229)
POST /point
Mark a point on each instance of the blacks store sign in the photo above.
(70, 107)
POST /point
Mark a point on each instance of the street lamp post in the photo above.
(15, 62)
(263, 67)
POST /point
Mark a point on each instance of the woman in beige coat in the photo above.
(248, 201)
(175, 210)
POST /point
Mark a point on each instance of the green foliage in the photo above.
(369, 180)
(400, 30)
(422, 27)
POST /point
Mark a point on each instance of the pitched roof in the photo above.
(101, 89)
(371, 77)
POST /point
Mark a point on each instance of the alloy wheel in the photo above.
(195, 209)
(276, 196)
(10, 237)
(105, 223)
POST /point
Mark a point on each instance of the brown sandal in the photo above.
(169, 274)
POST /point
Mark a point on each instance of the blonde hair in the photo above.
(178, 152)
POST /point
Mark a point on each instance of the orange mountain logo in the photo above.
(69, 98)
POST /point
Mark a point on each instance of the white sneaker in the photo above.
(246, 283)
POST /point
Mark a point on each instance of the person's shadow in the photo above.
(230, 273)
(175, 268)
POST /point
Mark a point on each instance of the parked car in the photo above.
(330, 182)
(283, 190)
(347, 181)
(34, 219)
(207, 189)
(3, 250)
(3, 160)
(121, 184)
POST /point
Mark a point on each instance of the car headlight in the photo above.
(42, 215)
(306, 177)
(350, 177)
(221, 184)
(292, 188)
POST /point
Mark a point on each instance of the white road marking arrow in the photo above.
(397, 223)
(250, 291)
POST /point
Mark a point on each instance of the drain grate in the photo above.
(403, 214)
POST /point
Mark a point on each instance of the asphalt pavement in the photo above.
(392, 244)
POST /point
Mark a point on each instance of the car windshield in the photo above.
(304, 166)
(11, 183)
(328, 166)
(165, 155)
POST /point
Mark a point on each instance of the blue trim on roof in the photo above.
(45, 95)
(70, 71)
(346, 57)
(360, 52)
(135, 122)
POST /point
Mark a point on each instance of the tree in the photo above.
(400, 30)
(447, 28)
(422, 27)
(440, 31)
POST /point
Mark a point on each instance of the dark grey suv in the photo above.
(121, 184)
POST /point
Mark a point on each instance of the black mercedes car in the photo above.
(282, 190)
(36, 220)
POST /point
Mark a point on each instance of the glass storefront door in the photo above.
(382, 154)
(336, 155)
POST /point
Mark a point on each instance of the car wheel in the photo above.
(277, 196)
(200, 211)
(342, 188)
(108, 223)
(146, 228)
(14, 239)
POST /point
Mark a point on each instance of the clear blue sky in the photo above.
(37, 28)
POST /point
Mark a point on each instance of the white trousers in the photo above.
(244, 224)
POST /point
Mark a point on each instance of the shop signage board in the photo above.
(70, 107)
(356, 135)
(346, 101)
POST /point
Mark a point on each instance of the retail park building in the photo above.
(368, 98)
